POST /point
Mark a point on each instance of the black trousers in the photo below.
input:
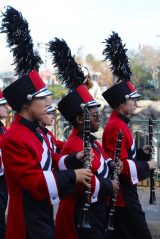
(3, 205)
(38, 216)
(129, 224)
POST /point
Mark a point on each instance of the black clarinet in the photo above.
(115, 176)
(84, 219)
(152, 199)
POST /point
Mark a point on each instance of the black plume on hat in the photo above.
(68, 71)
(115, 51)
(123, 90)
(20, 41)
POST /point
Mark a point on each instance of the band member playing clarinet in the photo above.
(78, 218)
(28, 159)
(129, 220)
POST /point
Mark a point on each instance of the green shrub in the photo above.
(58, 91)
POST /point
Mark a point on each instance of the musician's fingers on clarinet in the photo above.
(148, 149)
(152, 164)
(87, 183)
(80, 155)
(83, 175)
(115, 185)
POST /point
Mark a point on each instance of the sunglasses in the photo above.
(96, 116)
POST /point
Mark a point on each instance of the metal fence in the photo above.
(140, 131)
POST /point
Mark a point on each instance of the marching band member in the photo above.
(129, 219)
(47, 120)
(28, 160)
(69, 211)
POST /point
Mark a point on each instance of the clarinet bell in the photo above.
(152, 199)
(110, 228)
(84, 221)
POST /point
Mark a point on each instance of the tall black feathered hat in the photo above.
(115, 52)
(70, 73)
(27, 62)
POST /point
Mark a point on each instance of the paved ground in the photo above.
(152, 211)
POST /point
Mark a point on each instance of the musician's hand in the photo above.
(120, 167)
(147, 149)
(152, 164)
(115, 185)
(80, 156)
(83, 176)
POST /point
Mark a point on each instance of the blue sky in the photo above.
(88, 22)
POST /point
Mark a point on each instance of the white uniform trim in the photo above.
(94, 197)
(134, 155)
(133, 172)
(108, 160)
(133, 145)
(51, 143)
(133, 148)
(45, 156)
(51, 184)
(61, 163)
(101, 165)
(101, 168)
(107, 171)
(55, 202)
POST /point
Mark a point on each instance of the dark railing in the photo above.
(139, 128)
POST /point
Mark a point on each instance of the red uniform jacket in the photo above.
(134, 168)
(101, 186)
(31, 181)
